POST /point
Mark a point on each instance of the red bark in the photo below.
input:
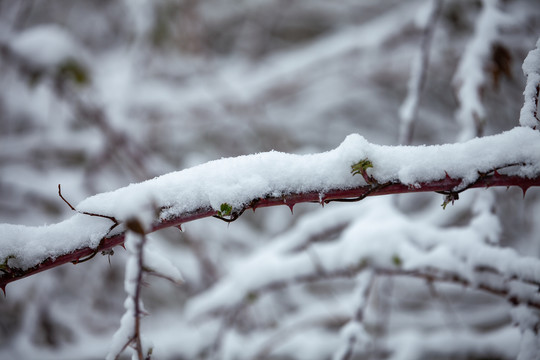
(445, 185)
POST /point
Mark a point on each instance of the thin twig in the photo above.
(112, 218)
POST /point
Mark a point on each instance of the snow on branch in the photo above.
(140, 261)
(531, 68)
(225, 188)
(470, 76)
(409, 108)
(129, 332)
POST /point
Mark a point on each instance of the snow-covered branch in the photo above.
(141, 261)
(409, 108)
(470, 76)
(225, 188)
(129, 333)
(531, 68)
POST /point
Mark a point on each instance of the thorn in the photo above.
(291, 207)
(3, 287)
(123, 246)
(524, 188)
(447, 176)
(496, 174)
(179, 227)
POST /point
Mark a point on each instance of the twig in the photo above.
(112, 218)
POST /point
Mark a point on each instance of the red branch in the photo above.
(445, 185)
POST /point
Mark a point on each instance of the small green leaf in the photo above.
(361, 166)
(397, 260)
(225, 210)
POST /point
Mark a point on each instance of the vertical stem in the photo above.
(137, 297)
(409, 108)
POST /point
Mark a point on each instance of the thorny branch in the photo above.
(452, 195)
(490, 179)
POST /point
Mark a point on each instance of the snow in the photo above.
(531, 69)
(425, 20)
(470, 75)
(253, 85)
(237, 181)
(353, 334)
(127, 331)
(25, 246)
(462, 344)
(46, 45)
(156, 263)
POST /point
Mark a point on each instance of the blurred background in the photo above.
(95, 95)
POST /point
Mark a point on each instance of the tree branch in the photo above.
(10, 274)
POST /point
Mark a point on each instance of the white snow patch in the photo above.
(46, 45)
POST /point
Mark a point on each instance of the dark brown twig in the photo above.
(112, 218)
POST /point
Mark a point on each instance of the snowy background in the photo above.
(96, 95)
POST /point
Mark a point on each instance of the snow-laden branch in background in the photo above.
(141, 261)
(373, 244)
(531, 68)
(354, 334)
(409, 109)
(129, 332)
(470, 76)
(455, 254)
(225, 188)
